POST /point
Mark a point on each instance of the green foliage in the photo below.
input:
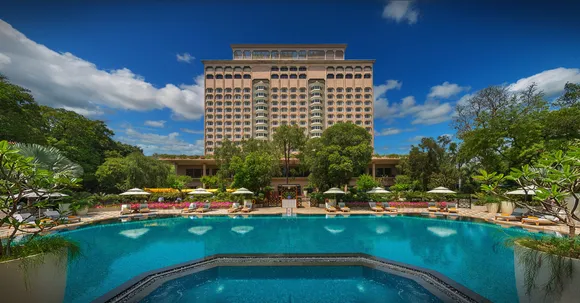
(223, 156)
(343, 151)
(44, 245)
(571, 96)
(20, 118)
(490, 190)
(134, 170)
(366, 182)
(288, 139)
(211, 181)
(50, 158)
(404, 183)
(255, 170)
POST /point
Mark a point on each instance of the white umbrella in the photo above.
(528, 190)
(242, 191)
(334, 190)
(200, 191)
(441, 190)
(134, 192)
(378, 190)
(40, 193)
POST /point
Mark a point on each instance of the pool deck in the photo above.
(478, 212)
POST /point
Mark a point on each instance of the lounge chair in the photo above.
(538, 221)
(432, 207)
(516, 215)
(452, 207)
(26, 219)
(342, 207)
(189, 209)
(375, 207)
(206, 207)
(144, 208)
(248, 207)
(235, 208)
(71, 219)
(329, 208)
(52, 214)
(388, 207)
(125, 209)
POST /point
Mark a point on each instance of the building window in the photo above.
(330, 76)
(238, 54)
(237, 76)
(247, 76)
(274, 69)
(194, 172)
(260, 55)
(274, 76)
(329, 55)
(275, 54)
(339, 76)
(247, 54)
(209, 76)
(348, 76)
(219, 76)
(367, 76)
(339, 54)
(284, 76)
(302, 76)
(358, 76)
(293, 76)
(228, 76)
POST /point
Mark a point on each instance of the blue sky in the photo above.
(118, 61)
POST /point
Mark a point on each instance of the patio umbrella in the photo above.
(242, 191)
(200, 191)
(378, 190)
(441, 190)
(528, 190)
(40, 193)
(134, 192)
(335, 191)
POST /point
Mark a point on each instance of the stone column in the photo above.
(203, 172)
(374, 170)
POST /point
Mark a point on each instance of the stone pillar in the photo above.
(374, 170)
(203, 172)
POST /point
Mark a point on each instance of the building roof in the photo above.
(288, 46)
(290, 61)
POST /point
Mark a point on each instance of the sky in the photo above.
(136, 65)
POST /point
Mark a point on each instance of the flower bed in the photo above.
(396, 204)
(169, 205)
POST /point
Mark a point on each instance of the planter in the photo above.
(305, 204)
(83, 211)
(45, 274)
(570, 291)
(64, 208)
(492, 207)
(507, 207)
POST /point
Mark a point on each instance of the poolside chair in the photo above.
(248, 207)
(375, 207)
(329, 208)
(516, 215)
(144, 208)
(52, 214)
(544, 220)
(26, 219)
(342, 207)
(432, 207)
(125, 209)
(189, 209)
(206, 207)
(452, 207)
(235, 208)
(386, 206)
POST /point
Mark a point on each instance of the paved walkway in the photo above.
(478, 212)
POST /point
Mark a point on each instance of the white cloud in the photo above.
(463, 100)
(431, 112)
(66, 81)
(185, 57)
(161, 144)
(392, 131)
(382, 108)
(159, 123)
(551, 81)
(400, 11)
(192, 131)
(446, 90)
(415, 139)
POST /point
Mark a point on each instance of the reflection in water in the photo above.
(474, 255)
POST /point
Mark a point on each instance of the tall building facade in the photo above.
(265, 86)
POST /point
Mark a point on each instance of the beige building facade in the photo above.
(265, 86)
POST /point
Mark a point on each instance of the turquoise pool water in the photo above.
(292, 284)
(473, 254)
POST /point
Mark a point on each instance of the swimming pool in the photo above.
(473, 254)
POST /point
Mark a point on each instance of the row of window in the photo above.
(348, 76)
(286, 76)
(227, 90)
(220, 69)
(349, 89)
(349, 69)
(349, 96)
(228, 76)
(292, 89)
(275, 116)
(286, 68)
(288, 54)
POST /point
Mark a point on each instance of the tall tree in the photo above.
(20, 118)
(255, 170)
(343, 151)
(289, 139)
(223, 156)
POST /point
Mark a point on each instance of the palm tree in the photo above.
(50, 158)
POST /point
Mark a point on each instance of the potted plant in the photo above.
(490, 194)
(81, 207)
(32, 269)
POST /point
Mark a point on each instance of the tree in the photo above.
(255, 170)
(556, 176)
(571, 96)
(343, 151)
(179, 182)
(223, 156)
(366, 182)
(51, 159)
(20, 175)
(134, 170)
(20, 118)
(289, 139)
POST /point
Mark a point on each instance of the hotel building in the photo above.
(265, 86)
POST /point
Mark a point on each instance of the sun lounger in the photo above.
(248, 207)
(538, 221)
(72, 219)
(26, 219)
(516, 215)
(52, 214)
(452, 207)
(189, 209)
(432, 207)
(342, 207)
(375, 207)
(329, 208)
(144, 208)
(47, 222)
(388, 207)
(235, 208)
(125, 209)
(206, 207)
